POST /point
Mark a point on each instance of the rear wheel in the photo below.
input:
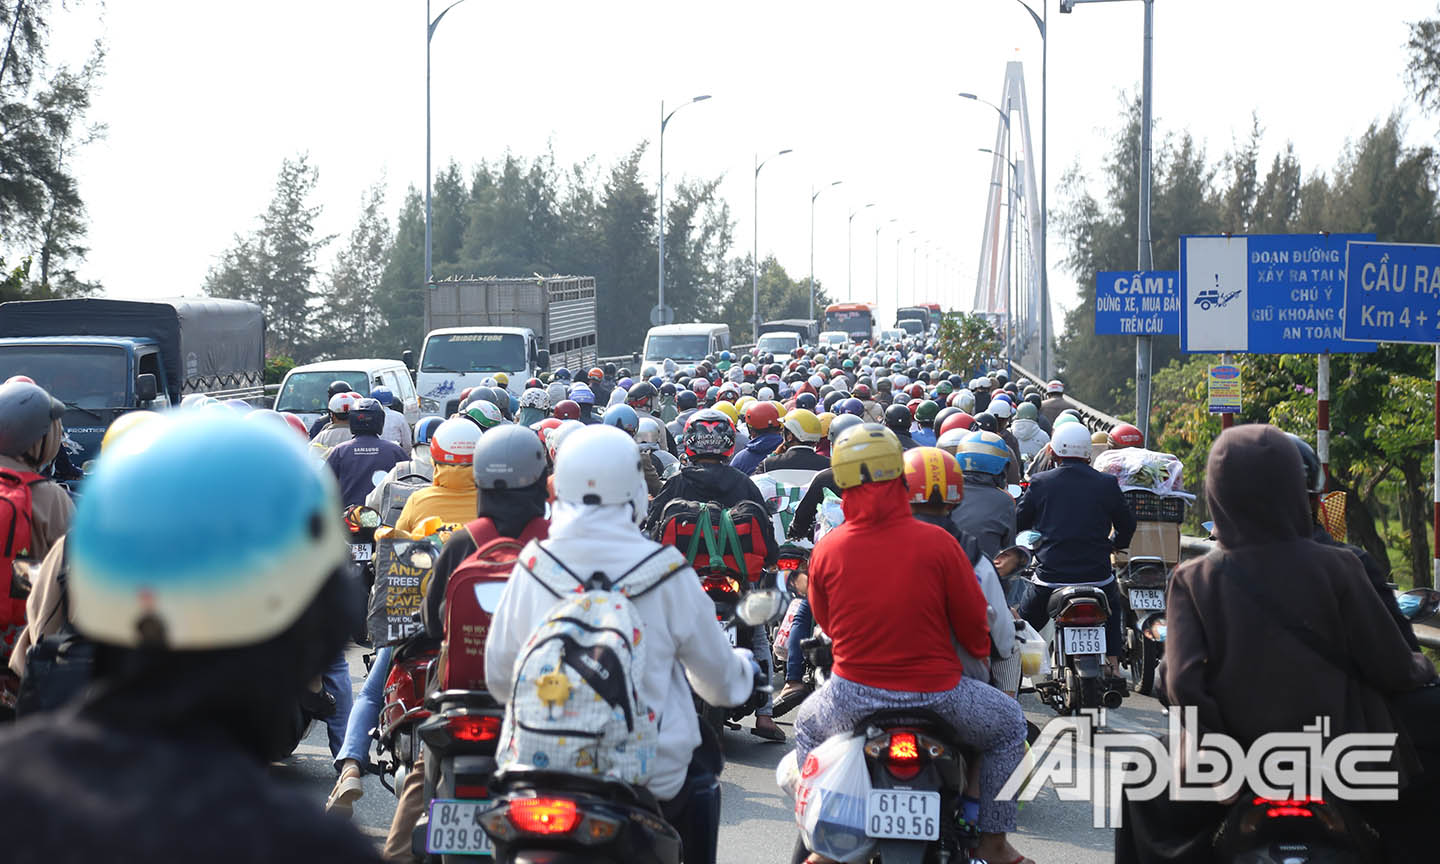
(1090, 691)
(1142, 666)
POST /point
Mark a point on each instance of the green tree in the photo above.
(353, 316)
(624, 270)
(967, 342)
(400, 296)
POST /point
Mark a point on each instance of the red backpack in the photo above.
(467, 621)
(17, 518)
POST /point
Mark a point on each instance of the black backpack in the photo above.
(59, 666)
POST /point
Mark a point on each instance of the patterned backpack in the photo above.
(575, 706)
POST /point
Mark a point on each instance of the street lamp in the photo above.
(755, 257)
(898, 238)
(850, 252)
(430, 25)
(660, 207)
(815, 193)
(878, 226)
(1143, 344)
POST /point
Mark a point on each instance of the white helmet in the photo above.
(1071, 441)
(554, 436)
(341, 403)
(454, 442)
(1001, 408)
(600, 464)
(964, 400)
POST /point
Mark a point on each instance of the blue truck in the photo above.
(103, 358)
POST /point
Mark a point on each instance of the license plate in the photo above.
(902, 815)
(361, 552)
(730, 634)
(455, 828)
(1147, 598)
(1084, 640)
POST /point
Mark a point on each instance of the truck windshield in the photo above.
(474, 352)
(777, 344)
(677, 347)
(309, 392)
(81, 376)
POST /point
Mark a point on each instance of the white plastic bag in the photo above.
(787, 773)
(1137, 468)
(1034, 659)
(782, 633)
(830, 515)
(830, 799)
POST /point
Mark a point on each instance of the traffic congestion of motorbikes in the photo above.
(571, 591)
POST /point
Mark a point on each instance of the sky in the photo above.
(203, 101)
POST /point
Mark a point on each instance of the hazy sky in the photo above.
(203, 100)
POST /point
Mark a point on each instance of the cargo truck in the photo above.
(103, 358)
(476, 327)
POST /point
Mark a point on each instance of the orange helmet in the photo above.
(933, 476)
(596, 374)
(1125, 435)
(762, 416)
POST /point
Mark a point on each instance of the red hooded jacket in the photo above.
(895, 595)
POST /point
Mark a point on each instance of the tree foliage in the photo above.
(967, 342)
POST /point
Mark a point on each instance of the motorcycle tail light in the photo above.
(477, 793)
(902, 755)
(723, 584)
(471, 727)
(1082, 613)
(543, 815)
(788, 564)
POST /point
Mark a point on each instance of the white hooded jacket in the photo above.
(1031, 438)
(687, 648)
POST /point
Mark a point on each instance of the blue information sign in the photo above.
(1392, 292)
(1265, 294)
(1138, 303)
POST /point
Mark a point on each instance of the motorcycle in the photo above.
(561, 818)
(791, 568)
(730, 595)
(1142, 583)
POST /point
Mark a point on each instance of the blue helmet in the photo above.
(727, 356)
(656, 381)
(624, 418)
(157, 558)
(425, 429)
(984, 452)
(383, 396)
(581, 394)
(562, 374)
(806, 401)
(686, 399)
(850, 406)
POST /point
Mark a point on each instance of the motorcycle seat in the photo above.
(916, 718)
(579, 784)
(1061, 596)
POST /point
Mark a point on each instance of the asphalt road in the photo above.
(758, 818)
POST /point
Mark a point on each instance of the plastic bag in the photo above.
(1138, 468)
(781, 644)
(830, 799)
(830, 514)
(1034, 659)
(787, 773)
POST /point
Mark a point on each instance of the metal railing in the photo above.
(634, 357)
(1095, 419)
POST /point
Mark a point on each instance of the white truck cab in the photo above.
(686, 344)
(781, 343)
(304, 391)
(454, 358)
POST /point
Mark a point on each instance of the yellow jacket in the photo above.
(451, 497)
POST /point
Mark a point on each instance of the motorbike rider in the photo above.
(203, 648)
(452, 494)
(924, 432)
(397, 428)
(583, 396)
(763, 421)
(987, 511)
(599, 385)
(896, 648)
(1074, 508)
(1273, 631)
(356, 461)
(1054, 403)
(600, 501)
(1030, 438)
(803, 524)
(534, 406)
(624, 418)
(709, 440)
(644, 398)
(336, 387)
(801, 431)
(337, 431)
(899, 421)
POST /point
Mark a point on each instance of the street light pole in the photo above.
(850, 252)
(430, 25)
(814, 193)
(1144, 254)
(660, 205)
(755, 254)
(876, 292)
(898, 238)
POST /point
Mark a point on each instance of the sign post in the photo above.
(1392, 294)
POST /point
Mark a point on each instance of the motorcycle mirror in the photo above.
(377, 478)
(761, 607)
(1418, 604)
(1209, 529)
(487, 594)
(418, 555)
(1014, 490)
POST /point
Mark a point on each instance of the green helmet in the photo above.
(1027, 411)
(944, 388)
(927, 411)
(848, 364)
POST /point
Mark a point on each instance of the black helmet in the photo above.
(508, 457)
(641, 394)
(828, 403)
(986, 421)
(1314, 473)
(686, 399)
(884, 385)
(708, 433)
(609, 370)
(26, 412)
(337, 386)
(898, 418)
(368, 417)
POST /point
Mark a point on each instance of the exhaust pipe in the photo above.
(1111, 699)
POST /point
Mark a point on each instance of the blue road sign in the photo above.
(1138, 303)
(1265, 294)
(1392, 292)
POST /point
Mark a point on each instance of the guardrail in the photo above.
(634, 358)
(1095, 419)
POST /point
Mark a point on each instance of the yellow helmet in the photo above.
(502, 379)
(868, 453)
(729, 410)
(779, 408)
(1100, 438)
(125, 424)
(803, 424)
(742, 402)
(825, 423)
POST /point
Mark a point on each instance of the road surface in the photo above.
(758, 825)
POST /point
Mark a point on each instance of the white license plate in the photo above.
(902, 815)
(455, 828)
(1084, 640)
(361, 552)
(730, 634)
(1147, 598)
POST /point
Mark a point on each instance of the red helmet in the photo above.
(914, 405)
(799, 352)
(1125, 435)
(958, 420)
(545, 426)
(762, 415)
(915, 391)
(699, 385)
(861, 391)
(933, 476)
(296, 423)
(708, 433)
(567, 409)
(19, 379)
(596, 374)
(465, 394)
